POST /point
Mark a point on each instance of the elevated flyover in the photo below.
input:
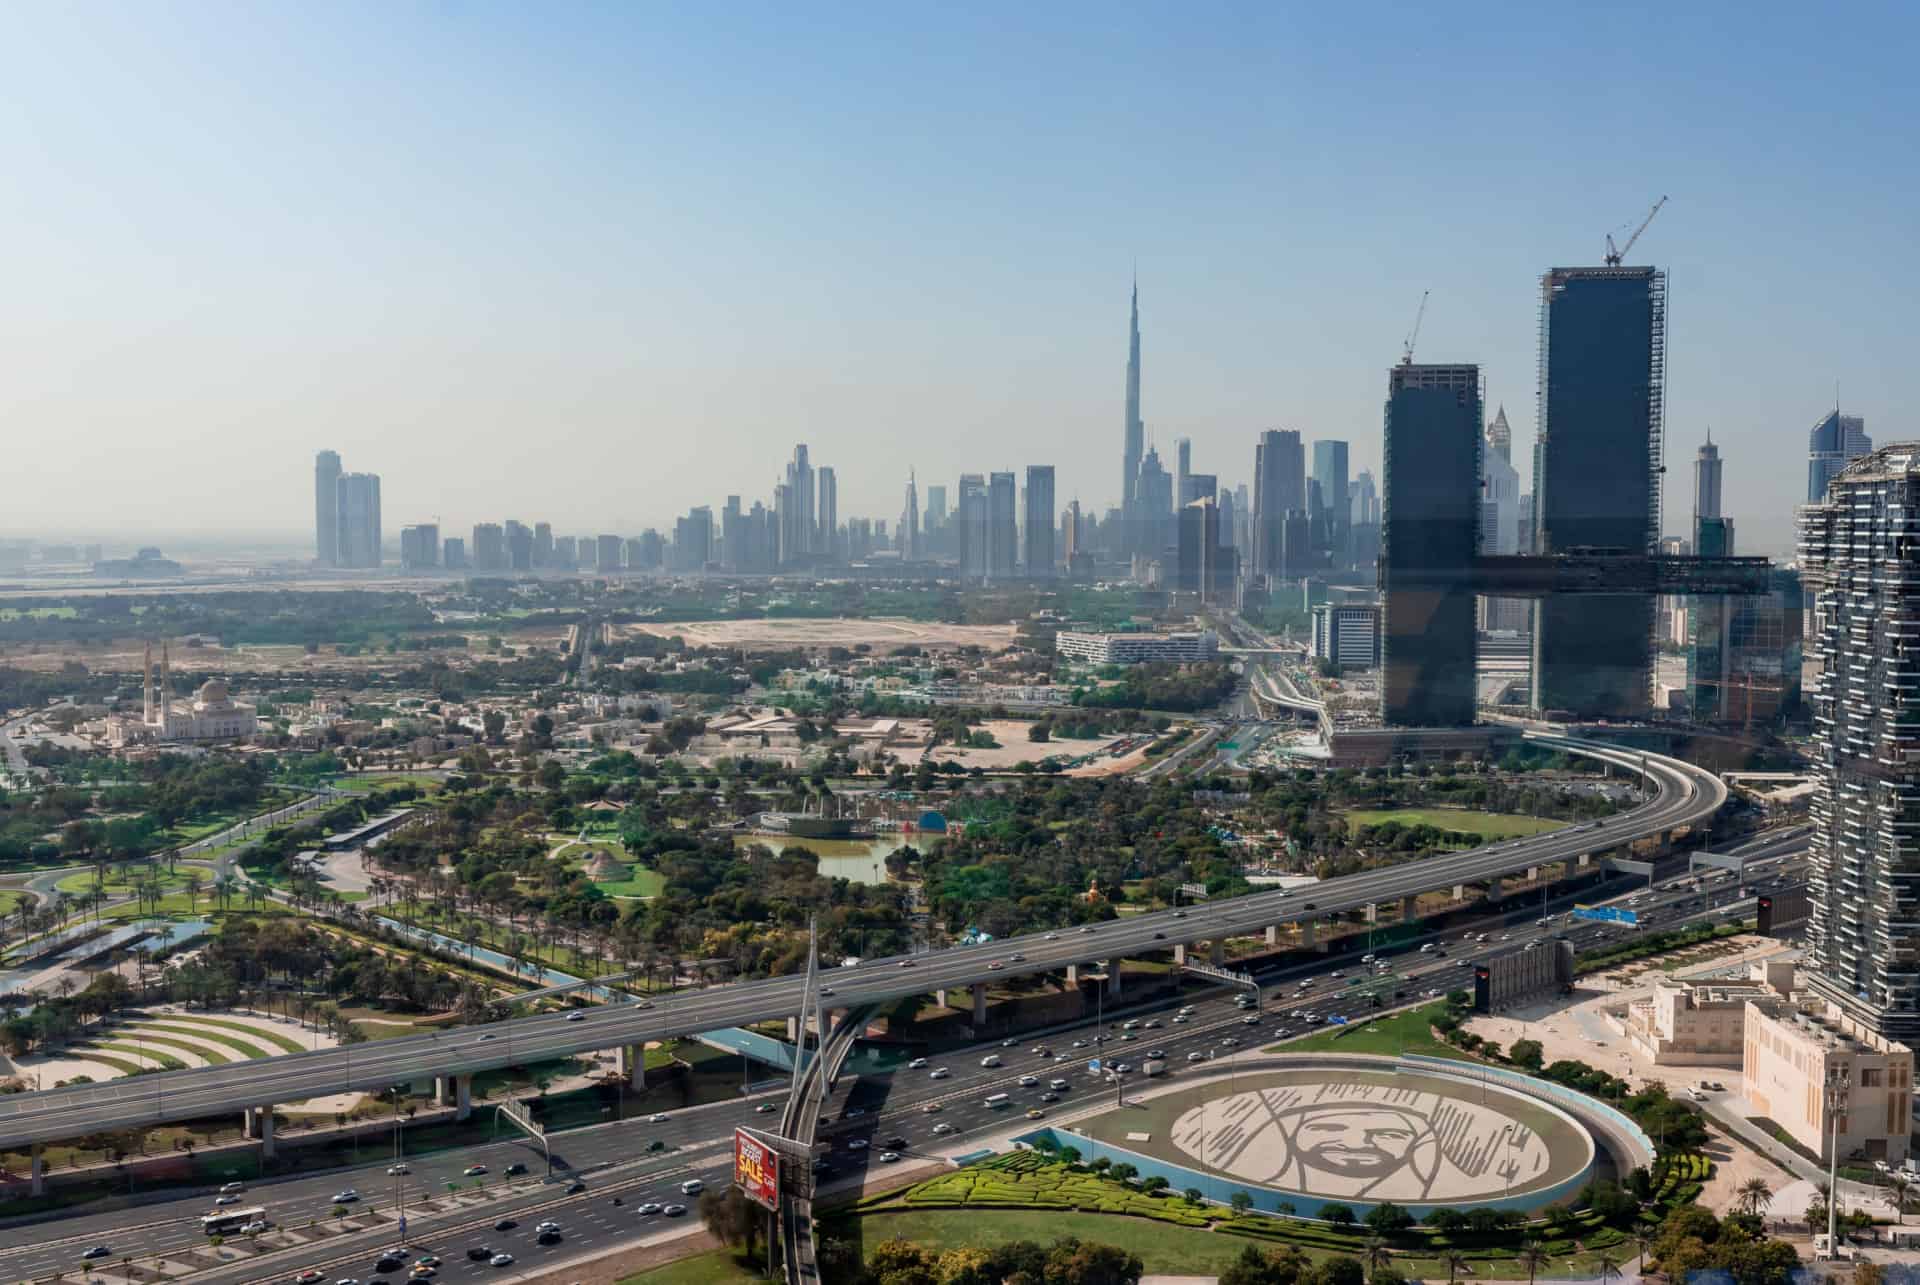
(1683, 796)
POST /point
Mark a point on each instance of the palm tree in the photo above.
(1456, 1263)
(1375, 1254)
(1641, 1243)
(1609, 1266)
(1531, 1257)
(1753, 1196)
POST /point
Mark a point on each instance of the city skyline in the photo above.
(403, 329)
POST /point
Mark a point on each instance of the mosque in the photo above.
(212, 714)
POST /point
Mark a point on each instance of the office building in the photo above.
(519, 538)
(357, 503)
(827, 520)
(1856, 557)
(798, 516)
(1153, 507)
(1500, 522)
(1706, 481)
(1834, 440)
(420, 547)
(915, 547)
(453, 554)
(1330, 472)
(1038, 514)
(326, 509)
(1135, 439)
(1279, 489)
(971, 521)
(1197, 486)
(566, 552)
(1229, 514)
(1003, 523)
(938, 537)
(1182, 471)
(1199, 555)
(1430, 526)
(1598, 460)
(1138, 649)
(489, 547)
(1363, 500)
(1828, 1081)
(543, 544)
(1347, 634)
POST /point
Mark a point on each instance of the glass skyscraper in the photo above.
(1597, 460)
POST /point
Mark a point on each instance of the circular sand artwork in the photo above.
(1416, 1140)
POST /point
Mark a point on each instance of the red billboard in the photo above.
(756, 1169)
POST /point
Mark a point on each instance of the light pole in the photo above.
(1839, 1084)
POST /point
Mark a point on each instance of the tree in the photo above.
(1240, 1201)
(1456, 1263)
(1754, 1196)
(1531, 1257)
(1076, 1262)
(1527, 1054)
(965, 1266)
(1388, 1218)
(1123, 1172)
(1338, 1215)
(1375, 1255)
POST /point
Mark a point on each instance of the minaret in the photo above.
(1136, 431)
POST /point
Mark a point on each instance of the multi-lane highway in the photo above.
(1682, 795)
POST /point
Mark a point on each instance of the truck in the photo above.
(1153, 1066)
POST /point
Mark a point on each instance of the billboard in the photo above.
(1607, 914)
(756, 1169)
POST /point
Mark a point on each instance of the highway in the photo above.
(614, 1159)
(1683, 795)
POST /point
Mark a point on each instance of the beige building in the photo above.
(1701, 1024)
(1792, 1054)
(212, 714)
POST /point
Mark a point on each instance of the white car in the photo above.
(916, 1064)
(889, 1157)
(656, 1118)
(1196, 1057)
(226, 1200)
(1028, 1081)
(256, 1226)
(501, 1260)
(943, 1127)
(939, 1073)
(397, 1169)
(856, 1144)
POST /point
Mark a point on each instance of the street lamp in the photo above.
(1838, 1087)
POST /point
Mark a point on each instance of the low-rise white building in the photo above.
(1139, 649)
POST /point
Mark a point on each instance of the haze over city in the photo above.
(613, 262)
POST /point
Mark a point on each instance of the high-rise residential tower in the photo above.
(826, 540)
(910, 520)
(1136, 431)
(1430, 525)
(1182, 470)
(1834, 440)
(1039, 522)
(357, 506)
(1279, 488)
(1003, 525)
(326, 509)
(1598, 459)
(1857, 558)
(1330, 471)
(971, 523)
(1706, 481)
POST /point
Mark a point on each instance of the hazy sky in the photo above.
(596, 263)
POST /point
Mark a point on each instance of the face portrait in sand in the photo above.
(1364, 1140)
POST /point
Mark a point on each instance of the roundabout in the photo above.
(1298, 1133)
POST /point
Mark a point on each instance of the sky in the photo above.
(596, 263)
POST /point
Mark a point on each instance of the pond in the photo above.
(855, 860)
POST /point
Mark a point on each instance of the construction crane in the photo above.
(1614, 256)
(1413, 336)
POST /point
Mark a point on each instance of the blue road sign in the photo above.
(1607, 914)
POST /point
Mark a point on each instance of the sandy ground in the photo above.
(346, 871)
(125, 655)
(1016, 748)
(776, 635)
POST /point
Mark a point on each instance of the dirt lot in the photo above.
(780, 635)
(1016, 748)
(124, 655)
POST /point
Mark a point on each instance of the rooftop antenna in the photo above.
(1413, 336)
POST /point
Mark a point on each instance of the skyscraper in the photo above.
(1856, 555)
(1182, 470)
(519, 546)
(1834, 440)
(1039, 522)
(1706, 482)
(1202, 566)
(543, 544)
(1279, 488)
(489, 547)
(1153, 507)
(1429, 536)
(326, 509)
(971, 520)
(826, 540)
(1003, 525)
(420, 547)
(1136, 431)
(910, 520)
(1500, 434)
(357, 506)
(1598, 458)
(1500, 521)
(1330, 471)
(1196, 486)
(798, 517)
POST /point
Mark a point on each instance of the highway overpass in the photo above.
(1683, 796)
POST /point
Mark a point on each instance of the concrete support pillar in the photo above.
(793, 1029)
(979, 1004)
(260, 1126)
(1308, 931)
(1582, 862)
(1113, 979)
(463, 1097)
(1217, 953)
(442, 1091)
(637, 1071)
(1073, 976)
(1180, 954)
(1273, 935)
(1409, 908)
(39, 1170)
(1533, 874)
(1459, 892)
(1373, 912)
(940, 997)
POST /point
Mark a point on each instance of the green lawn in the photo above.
(1162, 1248)
(144, 1035)
(364, 784)
(240, 1046)
(1395, 1033)
(640, 882)
(82, 882)
(718, 1267)
(166, 1061)
(1488, 825)
(285, 1043)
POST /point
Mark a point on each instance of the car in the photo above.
(1127, 1035)
(853, 1113)
(387, 1263)
(101, 1251)
(473, 1171)
(308, 1277)
(576, 1016)
(397, 1169)
(548, 1225)
(1249, 1020)
(505, 1224)
(1007, 1044)
(549, 1237)
(501, 1260)
(1035, 1114)
(895, 1142)
(419, 1273)
(348, 1280)
(916, 1064)
(575, 1187)
(233, 1188)
(995, 966)
(1181, 1019)
(765, 1108)
(226, 1200)
(1196, 1057)
(1086, 928)
(1230, 1042)
(1159, 936)
(480, 1253)
(889, 1157)
(1157, 1053)
(943, 1127)
(1052, 937)
(932, 1108)
(906, 963)
(649, 1209)
(1017, 958)
(1151, 1024)
(1057, 1083)
(1123, 1067)
(856, 1144)
(514, 1169)
(939, 1073)
(427, 1260)
(486, 1037)
(1028, 1081)
(692, 1187)
(1179, 914)
(657, 1118)
(1049, 1096)
(1079, 1044)
(346, 1197)
(674, 1211)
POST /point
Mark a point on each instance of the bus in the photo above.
(997, 1100)
(222, 1221)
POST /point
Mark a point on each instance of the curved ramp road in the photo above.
(1683, 795)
